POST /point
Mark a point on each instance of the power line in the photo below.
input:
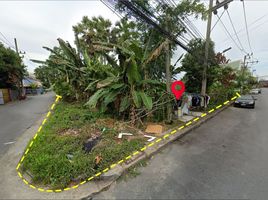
(254, 22)
(173, 2)
(148, 18)
(187, 23)
(226, 30)
(194, 27)
(108, 6)
(257, 26)
(4, 42)
(235, 31)
(218, 20)
(190, 28)
(9, 43)
(244, 10)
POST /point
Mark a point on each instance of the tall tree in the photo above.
(192, 65)
(168, 20)
(12, 68)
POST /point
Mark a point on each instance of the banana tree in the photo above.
(126, 87)
(73, 71)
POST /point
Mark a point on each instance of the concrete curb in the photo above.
(149, 152)
(13, 188)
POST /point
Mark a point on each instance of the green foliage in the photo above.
(11, 68)
(224, 86)
(48, 162)
(43, 74)
(193, 64)
(33, 86)
(245, 80)
(124, 104)
(146, 100)
(92, 102)
(116, 69)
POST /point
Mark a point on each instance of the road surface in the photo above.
(16, 117)
(225, 158)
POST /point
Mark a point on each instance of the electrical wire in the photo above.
(244, 10)
(113, 10)
(194, 27)
(173, 2)
(191, 30)
(186, 23)
(5, 43)
(254, 22)
(257, 26)
(217, 20)
(12, 47)
(228, 33)
(9, 43)
(235, 31)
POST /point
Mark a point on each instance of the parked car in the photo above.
(255, 91)
(247, 101)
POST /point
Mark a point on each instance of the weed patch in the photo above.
(57, 158)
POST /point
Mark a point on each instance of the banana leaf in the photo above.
(147, 101)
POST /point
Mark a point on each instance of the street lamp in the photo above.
(225, 50)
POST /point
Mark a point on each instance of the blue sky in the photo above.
(40, 23)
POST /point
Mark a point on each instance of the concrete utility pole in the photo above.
(20, 85)
(204, 75)
(168, 79)
(210, 10)
(16, 46)
(168, 73)
(244, 67)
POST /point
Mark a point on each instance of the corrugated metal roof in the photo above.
(28, 81)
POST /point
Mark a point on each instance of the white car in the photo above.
(255, 91)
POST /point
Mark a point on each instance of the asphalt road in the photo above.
(16, 117)
(225, 158)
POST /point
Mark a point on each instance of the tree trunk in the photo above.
(168, 80)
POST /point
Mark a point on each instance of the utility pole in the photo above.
(20, 82)
(168, 79)
(204, 75)
(210, 10)
(16, 46)
(243, 73)
(168, 73)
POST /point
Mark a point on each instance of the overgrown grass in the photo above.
(47, 160)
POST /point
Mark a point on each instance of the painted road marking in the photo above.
(196, 119)
(226, 102)
(211, 110)
(203, 115)
(188, 123)
(219, 106)
(158, 140)
(111, 166)
(7, 143)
